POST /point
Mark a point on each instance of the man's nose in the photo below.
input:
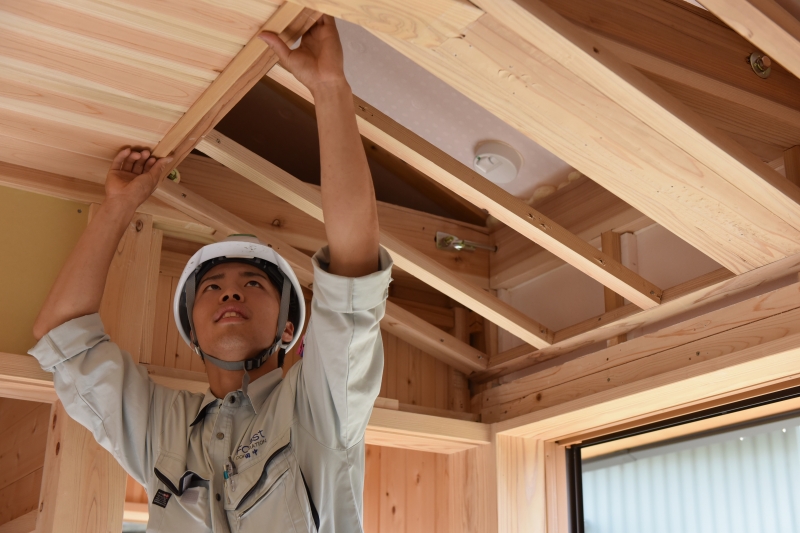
(231, 295)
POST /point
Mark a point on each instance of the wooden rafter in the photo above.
(549, 103)
(765, 24)
(297, 193)
(510, 210)
(249, 66)
(443, 347)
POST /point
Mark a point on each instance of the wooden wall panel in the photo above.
(405, 491)
(23, 426)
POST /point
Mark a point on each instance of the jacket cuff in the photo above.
(349, 295)
(68, 340)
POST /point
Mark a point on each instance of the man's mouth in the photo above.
(230, 312)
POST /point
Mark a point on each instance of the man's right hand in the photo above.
(133, 176)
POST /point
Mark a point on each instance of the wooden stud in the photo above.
(610, 242)
(308, 200)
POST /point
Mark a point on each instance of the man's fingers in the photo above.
(138, 166)
(277, 45)
(158, 167)
(116, 164)
(149, 164)
(127, 165)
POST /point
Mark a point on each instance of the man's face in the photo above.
(236, 311)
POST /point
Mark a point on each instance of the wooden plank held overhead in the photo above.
(512, 211)
(249, 66)
(309, 200)
(765, 24)
(437, 343)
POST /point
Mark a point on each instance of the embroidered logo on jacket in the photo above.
(245, 451)
(162, 498)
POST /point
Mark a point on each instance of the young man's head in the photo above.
(236, 311)
(237, 305)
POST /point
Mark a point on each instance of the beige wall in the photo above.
(36, 235)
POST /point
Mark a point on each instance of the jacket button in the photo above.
(218, 497)
(220, 436)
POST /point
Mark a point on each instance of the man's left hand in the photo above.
(318, 61)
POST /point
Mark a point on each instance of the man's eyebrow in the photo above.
(251, 274)
(215, 276)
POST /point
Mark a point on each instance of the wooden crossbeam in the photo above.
(297, 193)
(597, 135)
(762, 318)
(443, 347)
(693, 294)
(508, 209)
(244, 71)
(766, 24)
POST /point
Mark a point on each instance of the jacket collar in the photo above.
(257, 392)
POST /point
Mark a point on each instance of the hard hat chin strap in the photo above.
(254, 362)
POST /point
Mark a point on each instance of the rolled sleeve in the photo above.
(104, 390)
(68, 340)
(343, 355)
(341, 294)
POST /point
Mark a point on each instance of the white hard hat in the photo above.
(248, 249)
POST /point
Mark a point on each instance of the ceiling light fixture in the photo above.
(497, 161)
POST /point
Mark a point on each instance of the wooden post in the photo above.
(610, 243)
(473, 490)
(521, 493)
(83, 487)
(458, 395)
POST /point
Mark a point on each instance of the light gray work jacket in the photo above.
(287, 456)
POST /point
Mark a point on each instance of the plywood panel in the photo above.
(22, 444)
(21, 497)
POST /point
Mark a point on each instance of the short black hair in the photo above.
(272, 271)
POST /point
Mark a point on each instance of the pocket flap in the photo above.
(246, 482)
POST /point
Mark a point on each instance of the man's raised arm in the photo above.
(348, 197)
(79, 286)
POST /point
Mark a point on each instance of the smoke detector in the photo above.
(497, 161)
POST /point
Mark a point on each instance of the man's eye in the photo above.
(254, 282)
(211, 287)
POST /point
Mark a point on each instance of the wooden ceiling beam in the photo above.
(510, 210)
(587, 59)
(765, 24)
(442, 346)
(250, 64)
(309, 200)
(595, 134)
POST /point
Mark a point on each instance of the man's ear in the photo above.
(288, 332)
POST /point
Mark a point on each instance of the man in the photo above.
(256, 452)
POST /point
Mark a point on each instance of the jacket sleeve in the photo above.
(340, 375)
(104, 390)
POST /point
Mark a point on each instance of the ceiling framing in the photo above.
(651, 99)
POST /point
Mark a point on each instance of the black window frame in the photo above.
(574, 464)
